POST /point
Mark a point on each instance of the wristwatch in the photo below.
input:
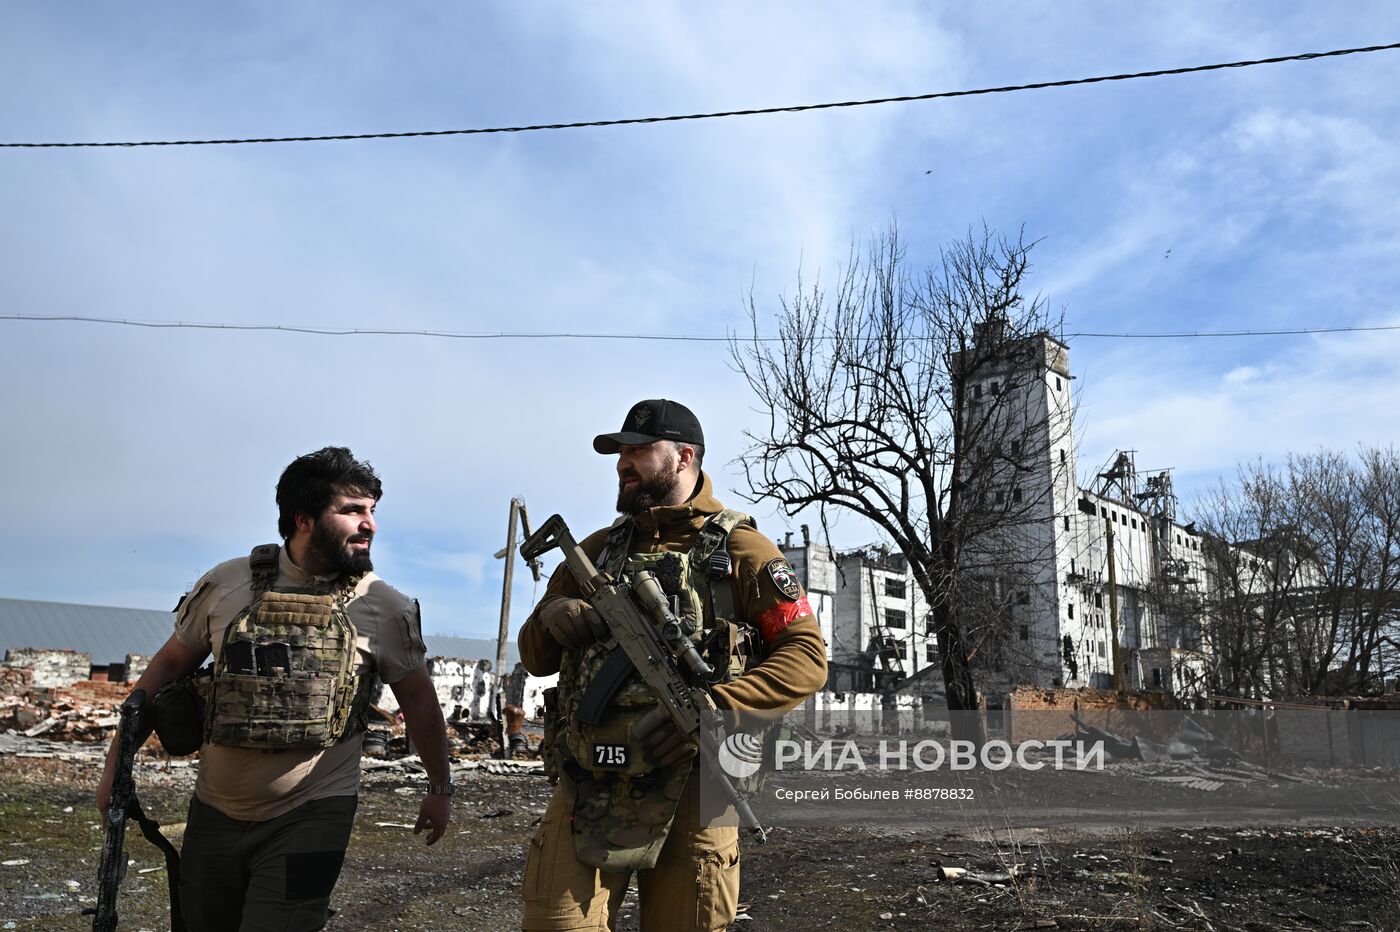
(442, 789)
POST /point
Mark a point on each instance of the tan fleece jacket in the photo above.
(794, 665)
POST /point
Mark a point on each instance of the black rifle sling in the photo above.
(150, 828)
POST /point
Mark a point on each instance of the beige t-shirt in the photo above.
(245, 783)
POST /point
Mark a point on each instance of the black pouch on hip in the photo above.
(177, 712)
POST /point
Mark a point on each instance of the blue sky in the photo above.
(134, 458)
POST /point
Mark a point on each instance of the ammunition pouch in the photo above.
(599, 731)
(177, 712)
(620, 823)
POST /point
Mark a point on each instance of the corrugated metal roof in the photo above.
(109, 634)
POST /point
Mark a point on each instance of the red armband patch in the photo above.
(780, 616)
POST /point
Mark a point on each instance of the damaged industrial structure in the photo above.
(1097, 585)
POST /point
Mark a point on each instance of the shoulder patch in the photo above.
(785, 578)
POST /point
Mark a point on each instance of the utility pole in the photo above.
(1113, 607)
(517, 516)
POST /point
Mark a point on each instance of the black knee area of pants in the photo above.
(312, 874)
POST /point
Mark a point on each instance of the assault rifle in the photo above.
(135, 727)
(657, 645)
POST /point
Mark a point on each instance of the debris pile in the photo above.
(1191, 741)
(84, 711)
(88, 712)
(1191, 757)
(387, 738)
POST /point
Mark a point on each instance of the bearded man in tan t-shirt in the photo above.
(273, 806)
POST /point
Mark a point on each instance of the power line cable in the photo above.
(757, 111)
(663, 337)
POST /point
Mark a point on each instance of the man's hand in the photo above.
(104, 788)
(571, 622)
(663, 742)
(434, 814)
(423, 717)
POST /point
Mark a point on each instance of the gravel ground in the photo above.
(864, 874)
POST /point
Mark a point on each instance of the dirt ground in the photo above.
(859, 875)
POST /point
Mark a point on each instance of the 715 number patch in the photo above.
(609, 755)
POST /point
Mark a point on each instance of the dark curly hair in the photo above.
(311, 482)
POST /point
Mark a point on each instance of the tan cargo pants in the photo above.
(694, 885)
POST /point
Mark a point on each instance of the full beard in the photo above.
(337, 556)
(648, 493)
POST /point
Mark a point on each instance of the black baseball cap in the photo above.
(652, 420)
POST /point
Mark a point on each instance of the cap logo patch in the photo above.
(785, 578)
(640, 417)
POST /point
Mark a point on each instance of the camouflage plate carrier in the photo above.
(286, 674)
(624, 801)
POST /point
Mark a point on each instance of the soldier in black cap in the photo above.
(606, 823)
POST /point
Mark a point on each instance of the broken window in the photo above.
(894, 618)
(1025, 632)
(894, 588)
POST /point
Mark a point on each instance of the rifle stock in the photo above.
(657, 643)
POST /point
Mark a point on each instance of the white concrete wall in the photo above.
(51, 667)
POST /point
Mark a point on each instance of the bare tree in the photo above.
(1303, 568)
(1251, 577)
(1379, 602)
(916, 401)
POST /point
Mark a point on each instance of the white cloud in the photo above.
(1241, 375)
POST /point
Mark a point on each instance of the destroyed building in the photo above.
(59, 644)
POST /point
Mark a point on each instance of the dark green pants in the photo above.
(240, 876)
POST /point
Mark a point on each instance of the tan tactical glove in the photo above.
(663, 742)
(571, 622)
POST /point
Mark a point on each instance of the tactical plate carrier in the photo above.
(599, 707)
(286, 674)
